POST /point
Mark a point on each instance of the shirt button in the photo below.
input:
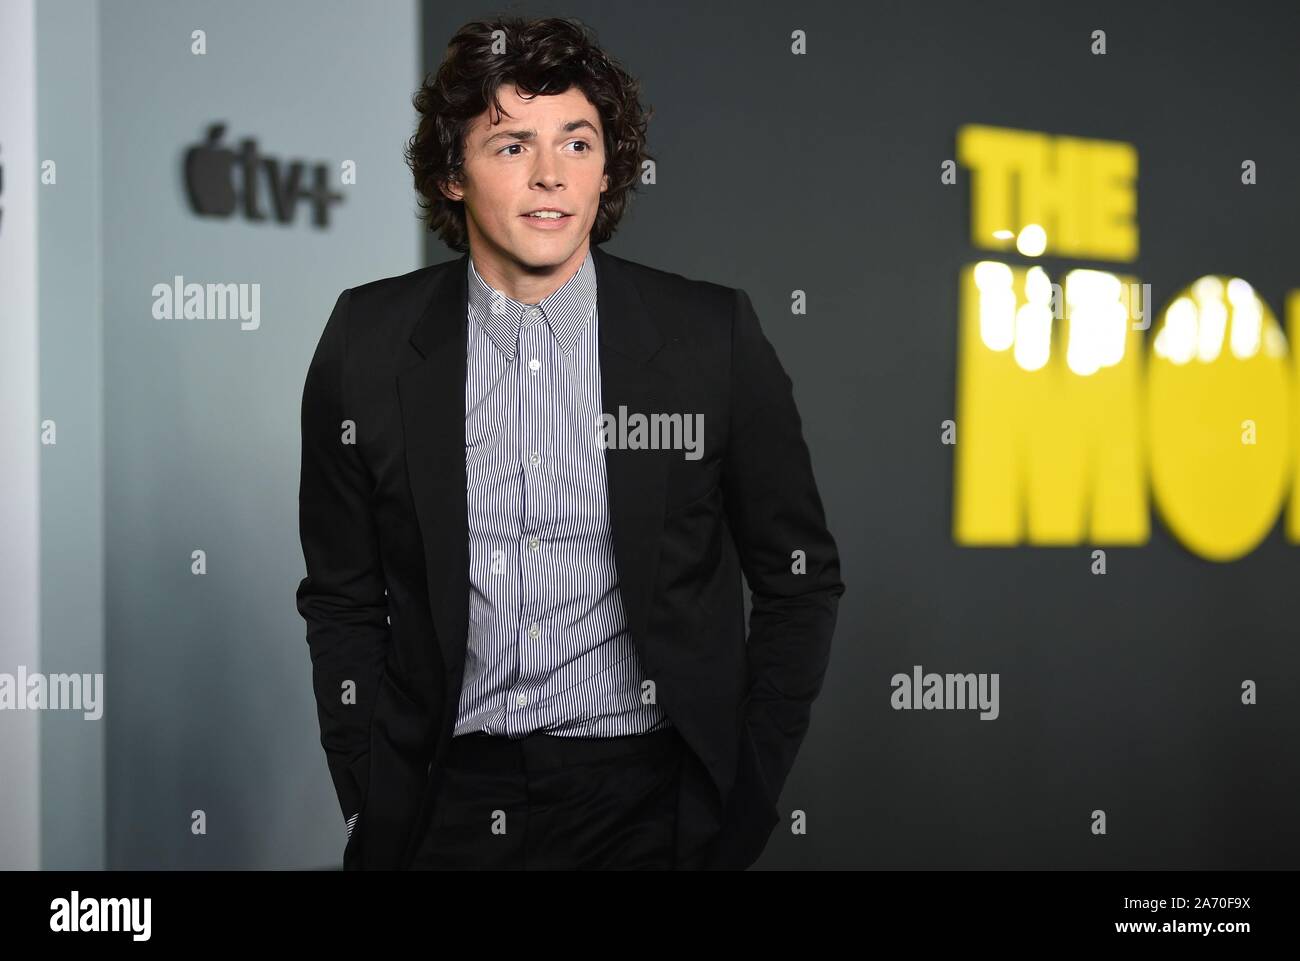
(534, 459)
(534, 365)
(534, 632)
(521, 699)
(533, 542)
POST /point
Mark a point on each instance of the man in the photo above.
(529, 651)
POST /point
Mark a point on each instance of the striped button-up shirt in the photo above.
(548, 648)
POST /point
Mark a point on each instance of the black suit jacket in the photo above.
(384, 533)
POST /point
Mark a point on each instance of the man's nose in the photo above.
(548, 173)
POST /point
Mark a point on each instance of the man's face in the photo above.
(545, 151)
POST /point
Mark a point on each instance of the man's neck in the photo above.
(521, 283)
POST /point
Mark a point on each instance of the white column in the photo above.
(19, 434)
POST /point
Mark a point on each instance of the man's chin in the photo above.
(544, 256)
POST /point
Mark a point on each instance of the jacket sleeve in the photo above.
(343, 598)
(789, 558)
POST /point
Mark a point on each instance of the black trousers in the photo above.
(544, 802)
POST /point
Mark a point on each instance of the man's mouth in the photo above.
(547, 219)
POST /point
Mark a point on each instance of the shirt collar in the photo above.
(566, 310)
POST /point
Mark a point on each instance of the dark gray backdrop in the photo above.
(821, 173)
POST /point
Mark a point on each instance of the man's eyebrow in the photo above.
(569, 127)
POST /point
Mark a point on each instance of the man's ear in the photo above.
(451, 191)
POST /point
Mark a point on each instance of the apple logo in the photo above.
(207, 175)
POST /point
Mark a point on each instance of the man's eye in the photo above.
(585, 145)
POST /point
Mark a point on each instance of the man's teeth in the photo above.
(547, 214)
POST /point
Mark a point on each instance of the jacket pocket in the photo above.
(674, 510)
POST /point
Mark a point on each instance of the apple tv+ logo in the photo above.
(209, 173)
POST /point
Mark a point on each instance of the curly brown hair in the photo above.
(545, 56)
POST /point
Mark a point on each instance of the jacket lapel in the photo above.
(432, 397)
(637, 479)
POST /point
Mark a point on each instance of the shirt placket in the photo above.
(533, 382)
